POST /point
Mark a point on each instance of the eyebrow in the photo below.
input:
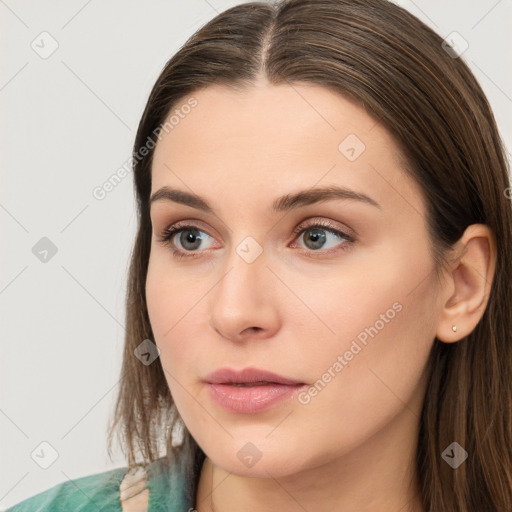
(281, 204)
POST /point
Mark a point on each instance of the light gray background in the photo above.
(68, 123)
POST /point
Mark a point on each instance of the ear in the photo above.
(465, 292)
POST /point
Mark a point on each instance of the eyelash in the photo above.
(168, 234)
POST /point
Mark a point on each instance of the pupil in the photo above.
(191, 237)
(316, 235)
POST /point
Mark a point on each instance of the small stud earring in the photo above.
(454, 328)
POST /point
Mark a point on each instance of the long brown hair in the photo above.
(381, 56)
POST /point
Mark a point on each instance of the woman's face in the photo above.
(262, 285)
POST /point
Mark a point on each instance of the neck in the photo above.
(378, 476)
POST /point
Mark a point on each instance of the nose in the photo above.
(244, 302)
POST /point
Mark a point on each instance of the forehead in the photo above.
(277, 138)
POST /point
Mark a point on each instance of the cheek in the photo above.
(159, 301)
(374, 365)
(177, 312)
(170, 295)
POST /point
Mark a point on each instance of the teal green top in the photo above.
(169, 491)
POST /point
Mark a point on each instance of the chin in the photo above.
(257, 458)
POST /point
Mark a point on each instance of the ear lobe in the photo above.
(469, 283)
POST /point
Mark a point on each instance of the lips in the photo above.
(250, 390)
(249, 377)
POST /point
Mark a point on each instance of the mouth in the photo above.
(251, 390)
(250, 384)
(249, 377)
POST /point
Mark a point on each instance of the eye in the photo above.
(322, 236)
(188, 238)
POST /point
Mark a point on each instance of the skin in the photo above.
(295, 308)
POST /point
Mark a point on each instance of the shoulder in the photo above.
(99, 492)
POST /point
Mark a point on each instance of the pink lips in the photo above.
(250, 390)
